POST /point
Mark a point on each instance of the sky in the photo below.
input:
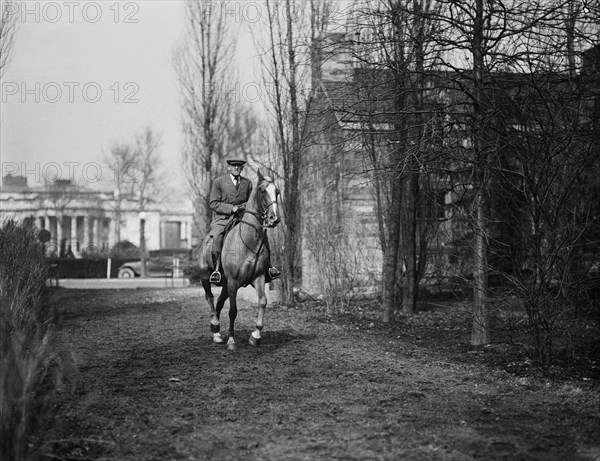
(87, 74)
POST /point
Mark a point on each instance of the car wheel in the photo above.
(126, 273)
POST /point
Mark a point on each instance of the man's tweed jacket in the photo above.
(223, 196)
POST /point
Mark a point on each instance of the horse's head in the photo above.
(267, 196)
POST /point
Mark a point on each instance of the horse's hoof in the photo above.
(218, 339)
(254, 341)
(231, 346)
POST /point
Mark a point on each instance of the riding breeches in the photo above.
(217, 242)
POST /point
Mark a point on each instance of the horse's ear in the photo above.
(260, 176)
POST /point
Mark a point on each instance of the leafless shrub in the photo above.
(343, 270)
(30, 374)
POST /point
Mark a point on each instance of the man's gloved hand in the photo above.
(239, 208)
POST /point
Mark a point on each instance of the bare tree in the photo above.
(203, 64)
(288, 64)
(121, 159)
(472, 34)
(550, 201)
(244, 134)
(481, 40)
(8, 22)
(137, 172)
(395, 47)
(148, 184)
(554, 209)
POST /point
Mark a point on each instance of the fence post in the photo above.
(108, 264)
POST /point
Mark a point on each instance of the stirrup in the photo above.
(274, 273)
(215, 277)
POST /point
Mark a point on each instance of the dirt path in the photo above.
(150, 385)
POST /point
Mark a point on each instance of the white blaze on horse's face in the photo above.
(271, 212)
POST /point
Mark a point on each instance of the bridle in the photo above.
(262, 229)
(262, 216)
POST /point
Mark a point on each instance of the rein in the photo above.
(259, 217)
(260, 229)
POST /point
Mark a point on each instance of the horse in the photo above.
(244, 260)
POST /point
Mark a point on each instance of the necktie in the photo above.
(236, 181)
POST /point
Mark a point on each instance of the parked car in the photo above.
(160, 263)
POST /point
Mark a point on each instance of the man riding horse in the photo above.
(228, 197)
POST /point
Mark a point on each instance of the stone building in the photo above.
(339, 244)
(90, 222)
(352, 110)
(341, 214)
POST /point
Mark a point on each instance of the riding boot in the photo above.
(215, 277)
(272, 274)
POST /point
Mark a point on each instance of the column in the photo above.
(184, 233)
(189, 228)
(94, 233)
(73, 230)
(87, 238)
(74, 240)
(59, 232)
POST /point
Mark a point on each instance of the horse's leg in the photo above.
(217, 338)
(215, 325)
(232, 288)
(259, 285)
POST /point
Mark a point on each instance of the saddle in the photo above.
(234, 220)
(216, 278)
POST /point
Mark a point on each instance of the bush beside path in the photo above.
(147, 383)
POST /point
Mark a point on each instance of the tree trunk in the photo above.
(481, 316)
(293, 167)
(409, 243)
(390, 256)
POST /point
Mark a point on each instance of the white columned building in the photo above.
(83, 222)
